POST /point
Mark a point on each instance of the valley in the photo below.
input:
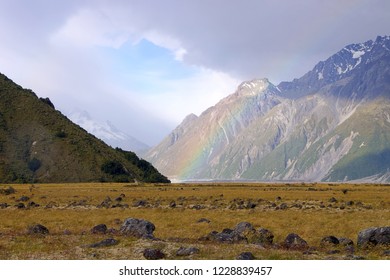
(86, 220)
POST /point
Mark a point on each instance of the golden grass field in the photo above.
(69, 211)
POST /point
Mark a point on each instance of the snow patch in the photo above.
(357, 54)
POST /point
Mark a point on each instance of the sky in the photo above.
(144, 65)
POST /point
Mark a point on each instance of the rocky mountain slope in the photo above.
(39, 144)
(332, 124)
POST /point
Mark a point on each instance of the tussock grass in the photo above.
(309, 212)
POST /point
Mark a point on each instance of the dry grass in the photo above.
(308, 212)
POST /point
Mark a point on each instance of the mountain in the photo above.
(39, 144)
(332, 124)
(107, 132)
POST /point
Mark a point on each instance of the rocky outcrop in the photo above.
(138, 228)
(374, 236)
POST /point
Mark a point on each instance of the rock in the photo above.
(51, 204)
(7, 190)
(295, 242)
(345, 241)
(264, 237)
(332, 200)
(120, 197)
(204, 220)
(187, 251)
(283, 206)
(138, 228)
(104, 243)
(99, 229)
(243, 232)
(37, 229)
(32, 204)
(386, 253)
(246, 256)
(3, 205)
(23, 198)
(172, 204)
(243, 228)
(20, 205)
(153, 254)
(106, 203)
(140, 203)
(374, 236)
(330, 240)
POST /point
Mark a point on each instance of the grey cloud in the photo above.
(247, 38)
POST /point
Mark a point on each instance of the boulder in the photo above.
(187, 251)
(138, 228)
(374, 236)
(99, 229)
(153, 254)
(295, 242)
(330, 240)
(37, 229)
(246, 256)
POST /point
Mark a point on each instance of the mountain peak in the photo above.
(253, 87)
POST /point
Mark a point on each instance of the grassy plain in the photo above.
(69, 211)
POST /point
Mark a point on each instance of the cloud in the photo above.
(145, 64)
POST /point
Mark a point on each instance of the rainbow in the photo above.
(220, 132)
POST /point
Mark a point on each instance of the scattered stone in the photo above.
(283, 206)
(3, 205)
(330, 240)
(278, 198)
(99, 229)
(51, 204)
(374, 236)
(138, 228)
(345, 241)
(67, 232)
(106, 203)
(246, 256)
(386, 253)
(32, 204)
(244, 232)
(82, 202)
(204, 220)
(264, 237)
(120, 197)
(104, 243)
(354, 257)
(37, 229)
(153, 254)
(187, 251)
(172, 204)
(23, 198)
(333, 252)
(7, 190)
(20, 205)
(140, 203)
(295, 242)
(198, 207)
(332, 200)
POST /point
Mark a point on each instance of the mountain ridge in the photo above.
(299, 130)
(39, 144)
